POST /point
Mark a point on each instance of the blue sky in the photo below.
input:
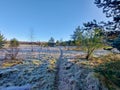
(47, 18)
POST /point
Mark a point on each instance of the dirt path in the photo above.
(58, 69)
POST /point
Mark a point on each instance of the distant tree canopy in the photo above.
(77, 36)
(64, 43)
(14, 42)
(70, 43)
(13, 49)
(76, 33)
(112, 9)
(57, 43)
(2, 41)
(51, 42)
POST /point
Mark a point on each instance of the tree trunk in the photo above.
(88, 56)
(89, 53)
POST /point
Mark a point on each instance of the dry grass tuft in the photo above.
(10, 63)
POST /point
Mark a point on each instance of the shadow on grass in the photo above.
(110, 71)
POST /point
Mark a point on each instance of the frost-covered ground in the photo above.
(49, 69)
(37, 74)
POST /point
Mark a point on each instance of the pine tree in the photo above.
(2, 41)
